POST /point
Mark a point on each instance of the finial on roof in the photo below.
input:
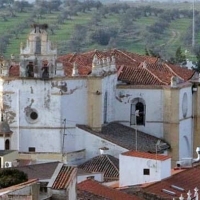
(75, 69)
(144, 65)
(173, 81)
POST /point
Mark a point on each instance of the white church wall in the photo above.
(154, 108)
(186, 123)
(92, 143)
(74, 102)
(109, 86)
(185, 138)
(185, 103)
(53, 101)
(2, 143)
(42, 140)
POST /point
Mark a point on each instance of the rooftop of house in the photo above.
(177, 184)
(146, 155)
(6, 152)
(125, 137)
(94, 187)
(107, 164)
(63, 176)
(85, 195)
(13, 188)
(39, 171)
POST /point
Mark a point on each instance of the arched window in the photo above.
(38, 45)
(138, 112)
(7, 144)
(30, 70)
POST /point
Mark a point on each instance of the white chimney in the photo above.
(103, 150)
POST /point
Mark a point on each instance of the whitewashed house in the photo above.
(48, 99)
(137, 168)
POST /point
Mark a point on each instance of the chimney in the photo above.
(103, 150)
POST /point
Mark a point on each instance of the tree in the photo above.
(9, 177)
(102, 36)
(197, 54)
(179, 58)
(21, 5)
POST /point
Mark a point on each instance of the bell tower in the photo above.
(38, 56)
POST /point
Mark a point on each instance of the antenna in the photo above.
(193, 26)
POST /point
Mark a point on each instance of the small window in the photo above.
(90, 177)
(31, 149)
(34, 115)
(146, 171)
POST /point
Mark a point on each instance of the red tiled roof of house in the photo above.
(64, 177)
(187, 179)
(96, 188)
(146, 155)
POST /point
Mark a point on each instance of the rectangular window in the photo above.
(146, 171)
(31, 149)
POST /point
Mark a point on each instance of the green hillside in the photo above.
(135, 29)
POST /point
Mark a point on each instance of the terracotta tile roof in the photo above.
(131, 67)
(124, 136)
(84, 195)
(186, 180)
(153, 74)
(64, 177)
(104, 191)
(138, 76)
(182, 72)
(39, 171)
(146, 155)
(107, 164)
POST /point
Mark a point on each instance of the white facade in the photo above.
(132, 170)
(186, 122)
(154, 114)
(93, 143)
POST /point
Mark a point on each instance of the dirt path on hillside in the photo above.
(175, 35)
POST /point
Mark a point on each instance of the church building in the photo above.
(44, 97)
